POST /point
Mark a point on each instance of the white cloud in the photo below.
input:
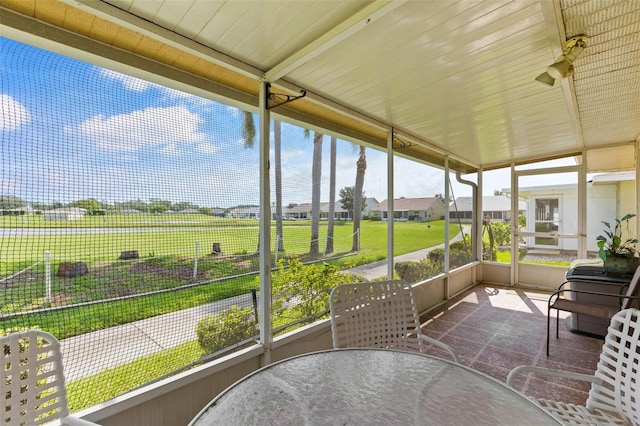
(173, 95)
(14, 114)
(233, 111)
(171, 150)
(291, 154)
(164, 127)
(207, 148)
(131, 83)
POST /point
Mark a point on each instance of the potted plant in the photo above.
(618, 254)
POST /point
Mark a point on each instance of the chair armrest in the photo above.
(441, 345)
(551, 372)
(557, 294)
(76, 421)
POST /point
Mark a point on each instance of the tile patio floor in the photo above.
(494, 329)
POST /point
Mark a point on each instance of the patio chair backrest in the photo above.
(378, 314)
(618, 368)
(33, 388)
(632, 290)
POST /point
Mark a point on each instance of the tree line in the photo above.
(94, 206)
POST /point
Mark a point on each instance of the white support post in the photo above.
(582, 207)
(47, 275)
(477, 238)
(447, 186)
(266, 336)
(390, 259)
(195, 262)
(515, 196)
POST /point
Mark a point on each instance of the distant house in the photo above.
(371, 204)
(216, 211)
(495, 207)
(406, 209)
(66, 213)
(303, 210)
(245, 212)
(18, 212)
(130, 211)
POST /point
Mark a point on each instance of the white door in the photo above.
(546, 218)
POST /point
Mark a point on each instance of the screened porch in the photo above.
(167, 165)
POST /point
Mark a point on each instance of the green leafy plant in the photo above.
(611, 243)
(303, 290)
(229, 327)
(501, 233)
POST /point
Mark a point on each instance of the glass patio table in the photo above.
(369, 386)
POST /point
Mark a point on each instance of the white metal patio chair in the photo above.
(33, 386)
(614, 397)
(379, 314)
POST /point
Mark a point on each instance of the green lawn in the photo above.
(126, 221)
(173, 270)
(409, 236)
(237, 236)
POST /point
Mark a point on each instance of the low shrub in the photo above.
(412, 272)
(304, 289)
(229, 327)
(501, 233)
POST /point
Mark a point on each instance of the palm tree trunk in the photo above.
(249, 136)
(361, 166)
(277, 142)
(332, 196)
(316, 174)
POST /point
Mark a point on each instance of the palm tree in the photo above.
(248, 129)
(361, 166)
(249, 136)
(332, 196)
(277, 147)
(316, 174)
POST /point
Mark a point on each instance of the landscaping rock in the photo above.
(72, 269)
(130, 254)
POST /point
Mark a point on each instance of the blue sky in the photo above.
(72, 130)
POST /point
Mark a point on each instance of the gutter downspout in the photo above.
(474, 222)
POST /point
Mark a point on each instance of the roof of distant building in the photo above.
(401, 204)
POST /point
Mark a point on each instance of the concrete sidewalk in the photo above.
(94, 352)
(378, 269)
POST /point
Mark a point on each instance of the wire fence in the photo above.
(114, 315)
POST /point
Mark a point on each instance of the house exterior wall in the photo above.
(601, 200)
(627, 202)
(496, 208)
(435, 210)
(62, 215)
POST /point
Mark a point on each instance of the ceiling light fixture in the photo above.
(563, 66)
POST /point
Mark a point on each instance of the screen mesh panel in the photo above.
(128, 214)
(130, 221)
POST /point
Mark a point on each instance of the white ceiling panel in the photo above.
(456, 74)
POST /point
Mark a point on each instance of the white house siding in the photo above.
(64, 214)
(418, 209)
(601, 205)
(627, 202)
